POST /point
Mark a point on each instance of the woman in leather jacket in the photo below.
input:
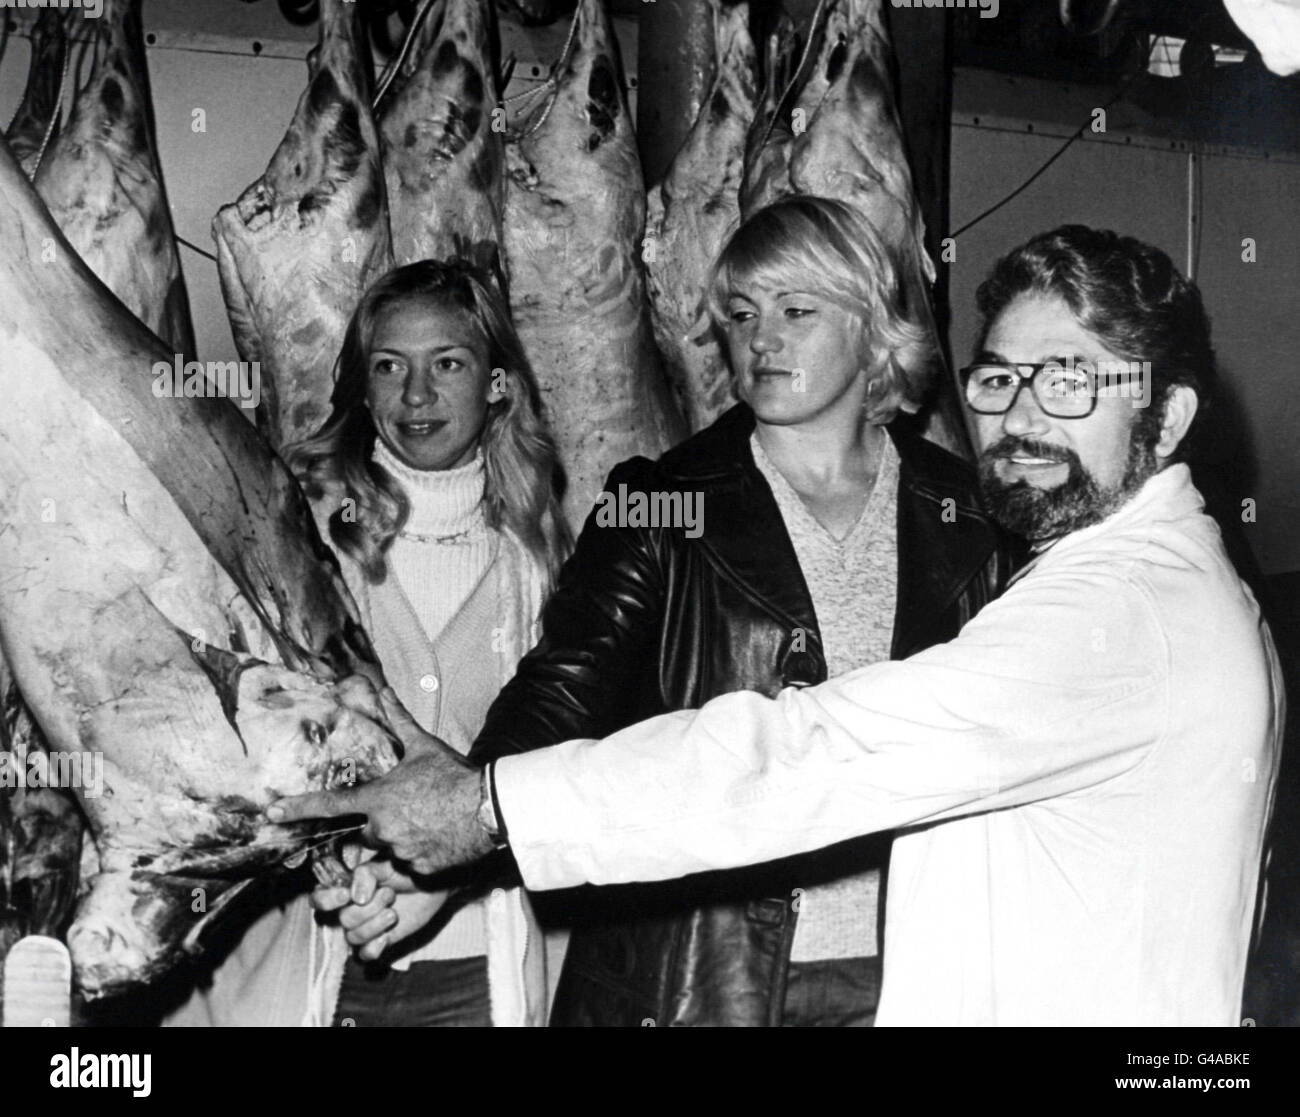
(808, 532)
(826, 535)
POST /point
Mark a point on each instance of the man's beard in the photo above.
(1078, 502)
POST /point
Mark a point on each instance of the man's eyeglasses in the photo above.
(1064, 390)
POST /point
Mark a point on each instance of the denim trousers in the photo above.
(450, 993)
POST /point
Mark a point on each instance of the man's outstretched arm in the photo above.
(1055, 687)
(1026, 703)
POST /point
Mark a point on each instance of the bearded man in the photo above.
(1081, 780)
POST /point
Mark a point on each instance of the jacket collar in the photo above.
(720, 453)
(944, 538)
(743, 532)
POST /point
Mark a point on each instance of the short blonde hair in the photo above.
(825, 247)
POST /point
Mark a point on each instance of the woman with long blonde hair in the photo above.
(348, 453)
(436, 482)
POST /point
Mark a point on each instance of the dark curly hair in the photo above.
(1127, 293)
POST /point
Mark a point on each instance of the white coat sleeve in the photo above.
(1057, 686)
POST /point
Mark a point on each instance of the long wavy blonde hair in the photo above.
(523, 479)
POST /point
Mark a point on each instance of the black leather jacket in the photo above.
(646, 620)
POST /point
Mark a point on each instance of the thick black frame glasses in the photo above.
(1067, 392)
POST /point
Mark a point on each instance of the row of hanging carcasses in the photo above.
(172, 626)
(548, 193)
(176, 612)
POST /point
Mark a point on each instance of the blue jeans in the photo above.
(437, 994)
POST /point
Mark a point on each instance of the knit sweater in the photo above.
(445, 546)
(853, 583)
(442, 553)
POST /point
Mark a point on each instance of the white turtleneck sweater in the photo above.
(441, 554)
(445, 546)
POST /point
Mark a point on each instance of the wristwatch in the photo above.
(488, 816)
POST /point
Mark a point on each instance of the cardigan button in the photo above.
(428, 683)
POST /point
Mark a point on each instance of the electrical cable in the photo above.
(1062, 149)
(195, 248)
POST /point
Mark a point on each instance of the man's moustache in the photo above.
(1009, 446)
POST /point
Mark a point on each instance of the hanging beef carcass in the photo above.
(444, 163)
(40, 830)
(848, 145)
(689, 215)
(767, 147)
(103, 183)
(166, 607)
(36, 123)
(40, 827)
(301, 245)
(575, 217)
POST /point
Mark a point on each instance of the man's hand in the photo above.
(424, 810)
(383, 906)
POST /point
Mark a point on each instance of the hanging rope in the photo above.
(57, 111)
(793, 83)
(551, 85)
(400, 60)
(54, 116)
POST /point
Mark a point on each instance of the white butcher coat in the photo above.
(1082, 779)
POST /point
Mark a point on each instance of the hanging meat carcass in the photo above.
(40, 827)
(167, 609)
(103, 162)
(301, 245)
(103, 183)
(690, 214)
(847, 143)
(767, 147)
(36, 123)
(444, 163)
(40, 830)
(850, 145)
(575, 217)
